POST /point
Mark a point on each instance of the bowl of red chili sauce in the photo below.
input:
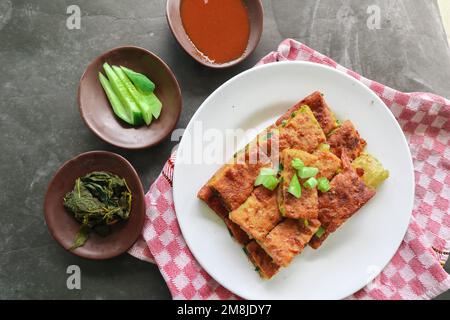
(216, 33)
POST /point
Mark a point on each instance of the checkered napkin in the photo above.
(416, 270)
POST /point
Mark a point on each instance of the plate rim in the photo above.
(356, 82)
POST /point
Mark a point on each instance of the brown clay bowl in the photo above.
(256, 15)
(63, 227)
(98, 114)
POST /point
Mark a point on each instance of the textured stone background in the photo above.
(42, 61)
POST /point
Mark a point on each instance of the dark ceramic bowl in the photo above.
(96, 110)
(63, 227)
(256, 15)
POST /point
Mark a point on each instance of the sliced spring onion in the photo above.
(308, 172)
(311, 183)
(297, 164)
(295, 188)
(280, 167)
(284, 123)
(267, 172)
(324, 147)
(260, 180)
(323, 185)
(271, 183)
(306, 222)
(320, 232)
(268, 178)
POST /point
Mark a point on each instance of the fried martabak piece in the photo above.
(234, 182)
(207, 195)
(262, 261)
(320, 109)
(327, 163)
(347, 195)
(300, 131)
(259, 214)
(346, 139)
(289, 239)
(307, 206)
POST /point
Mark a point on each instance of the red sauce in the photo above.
(219, 29)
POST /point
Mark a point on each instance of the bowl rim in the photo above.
(54, 231)
(244, 56)
(167, 69)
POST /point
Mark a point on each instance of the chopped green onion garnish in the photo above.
(295, 188)
(310, 183)
(267, 172)
(297, 164)
(338, 122)
(320, 232)
(268, 178)
(284, 123)
(308, 172)
(324, 147)
(294, 114)
(260, 180)
(271, 183)
(323, 185)
(280, 167)
(306, 222)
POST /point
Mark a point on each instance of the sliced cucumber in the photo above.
(116, 105)
(142, 103)
(155, 104)
(142, 83)
(125, 97)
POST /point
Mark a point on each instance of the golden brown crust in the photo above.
(319, 107)
(259, 214)
(301, 131)
(307, 206)
(234, 182)
(207, 195)
(237, 233)
(327, 163)
(289, 239)
(262, 261)
(346, 139)
(347, 195)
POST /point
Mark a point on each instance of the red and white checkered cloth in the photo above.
(416, 270)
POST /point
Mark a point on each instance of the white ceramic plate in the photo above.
(356, 253)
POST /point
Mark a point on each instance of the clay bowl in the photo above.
(63, 227)
(98, 114)
(256, 15)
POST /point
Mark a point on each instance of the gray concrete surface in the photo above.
(41, 62)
